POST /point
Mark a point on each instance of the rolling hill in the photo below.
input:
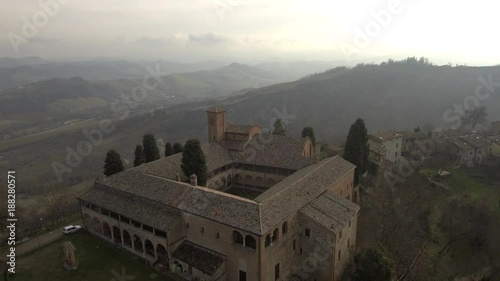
(389, 96)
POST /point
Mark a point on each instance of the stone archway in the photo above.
(259, 181)
(248, 180)
(97, 225)
(117, 235)
(138, 244)
(149, 248)
(106, 230)
(237, 179)
(127, 240)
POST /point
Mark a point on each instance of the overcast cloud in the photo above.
(255, 30)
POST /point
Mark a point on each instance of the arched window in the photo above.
(250, 242)
(268, 240)
(237, 237)
(284, 228)
(276, 234)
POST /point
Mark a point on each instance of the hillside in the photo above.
(17, 72)
(398, 96)
(53, 102)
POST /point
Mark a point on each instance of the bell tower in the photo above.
(216, 124)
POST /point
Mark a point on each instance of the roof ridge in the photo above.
(326, 214)
(302, 178)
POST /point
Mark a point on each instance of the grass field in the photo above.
(495, 149)
(11, 143)
(478, 183)
(98, 261)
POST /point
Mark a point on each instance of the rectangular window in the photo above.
(294, 244)
(340, 255)
(277, 271)
(202, 230)
(218, 235)
(308, 232)
(243, 275)
(340, 234)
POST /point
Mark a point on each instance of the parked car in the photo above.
(70, 229)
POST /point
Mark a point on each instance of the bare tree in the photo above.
(473, 117)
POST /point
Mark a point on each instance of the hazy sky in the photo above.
(253, 30)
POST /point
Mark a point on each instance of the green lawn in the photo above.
(11, 143)
(99, 261)
(243, 192)
(495, 149)
(478, 183)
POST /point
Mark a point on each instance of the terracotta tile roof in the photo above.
(237, 145)
(239, 129)
(274, 151)
(376, 147)
(216, 156)
(199, 257)
(218, 206)
(476, 140)
(331, 211)
(257, 217)
(459, 143)
(300, 188)
(495, 139)
(386, 135)
(412, 135)
(138, 209)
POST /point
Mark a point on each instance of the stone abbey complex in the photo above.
(268, 211)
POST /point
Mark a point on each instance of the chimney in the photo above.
(193, 179)
(177, 177)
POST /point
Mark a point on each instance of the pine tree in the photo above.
(168, 149)
(151, 151)
(193, 161)
(177, 148)
(278, 128)
(113, 163)
(139, 155)
(356, 148)
(309, 132)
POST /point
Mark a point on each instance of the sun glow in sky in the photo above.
(252, 30)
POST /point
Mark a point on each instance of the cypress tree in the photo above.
(356, 148)
(151, 151)
(193, 161)
(168, 149)
(278, 128)
(177, 148)
(113, 163)
(309, 132)
(139, 155)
